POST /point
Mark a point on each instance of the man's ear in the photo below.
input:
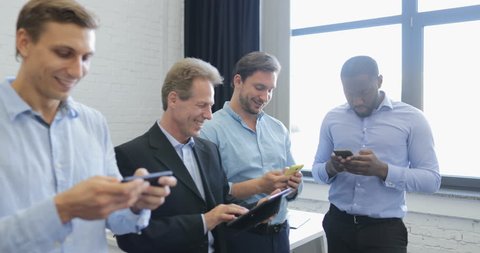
(172, 98)
(380, 81)
(23, 42)
(237, 80)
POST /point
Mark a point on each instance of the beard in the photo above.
(249, 106)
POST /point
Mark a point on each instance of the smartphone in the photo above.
(152, 178)
(293, 169)
(343, 153)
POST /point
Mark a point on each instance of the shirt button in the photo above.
(358, 184)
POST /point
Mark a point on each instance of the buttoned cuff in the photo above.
(395, 177)
(205, 229)
(142, 219)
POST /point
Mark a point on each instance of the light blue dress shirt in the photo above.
(38, 161)
(248, 154)
(400, 136)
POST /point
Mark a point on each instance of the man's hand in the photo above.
(97, 197)
(273, 180)
(366, 164)
(223, 213)
(336, 165)
(153, 196)
(295, 180)
(265, 199)
(267, 183)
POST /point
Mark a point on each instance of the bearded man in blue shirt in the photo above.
(59, 180)
(255, 151)
(392, 153)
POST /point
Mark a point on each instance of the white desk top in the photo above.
(309, 231)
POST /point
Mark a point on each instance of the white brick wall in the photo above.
(137, 41)
(427, 233)
(439, 234)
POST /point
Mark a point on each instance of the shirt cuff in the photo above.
(293, 196)
(395, 177)
(320, 174)
(205, 229)
(142, 219)
(50, 228)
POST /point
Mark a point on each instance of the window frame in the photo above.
(413, 24)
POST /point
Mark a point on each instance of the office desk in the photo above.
(310, 236)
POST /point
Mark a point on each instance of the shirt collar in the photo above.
(173, 141)
(15, 105)
(386, 102)
(69, 107)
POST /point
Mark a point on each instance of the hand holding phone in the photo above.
(343, 153)
(152, 178)
(293, 169)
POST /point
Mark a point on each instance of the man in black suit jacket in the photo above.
(191, 220)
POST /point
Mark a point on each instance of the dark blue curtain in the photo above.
(220, 32)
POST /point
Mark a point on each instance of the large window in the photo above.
(427, 52)
(451, 78)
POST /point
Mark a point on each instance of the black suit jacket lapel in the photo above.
(166, 154)
(202, 161)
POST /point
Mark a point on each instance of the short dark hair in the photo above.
(256, 61)
(180, 78)
(358, 65)
(35, 13)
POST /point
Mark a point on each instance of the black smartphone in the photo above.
(343, 153)
(152, 178)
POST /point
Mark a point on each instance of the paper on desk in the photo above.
(296, 221)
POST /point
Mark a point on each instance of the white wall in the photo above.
(440, 223)
(274, 39)
(446, 222)
(137, 41)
